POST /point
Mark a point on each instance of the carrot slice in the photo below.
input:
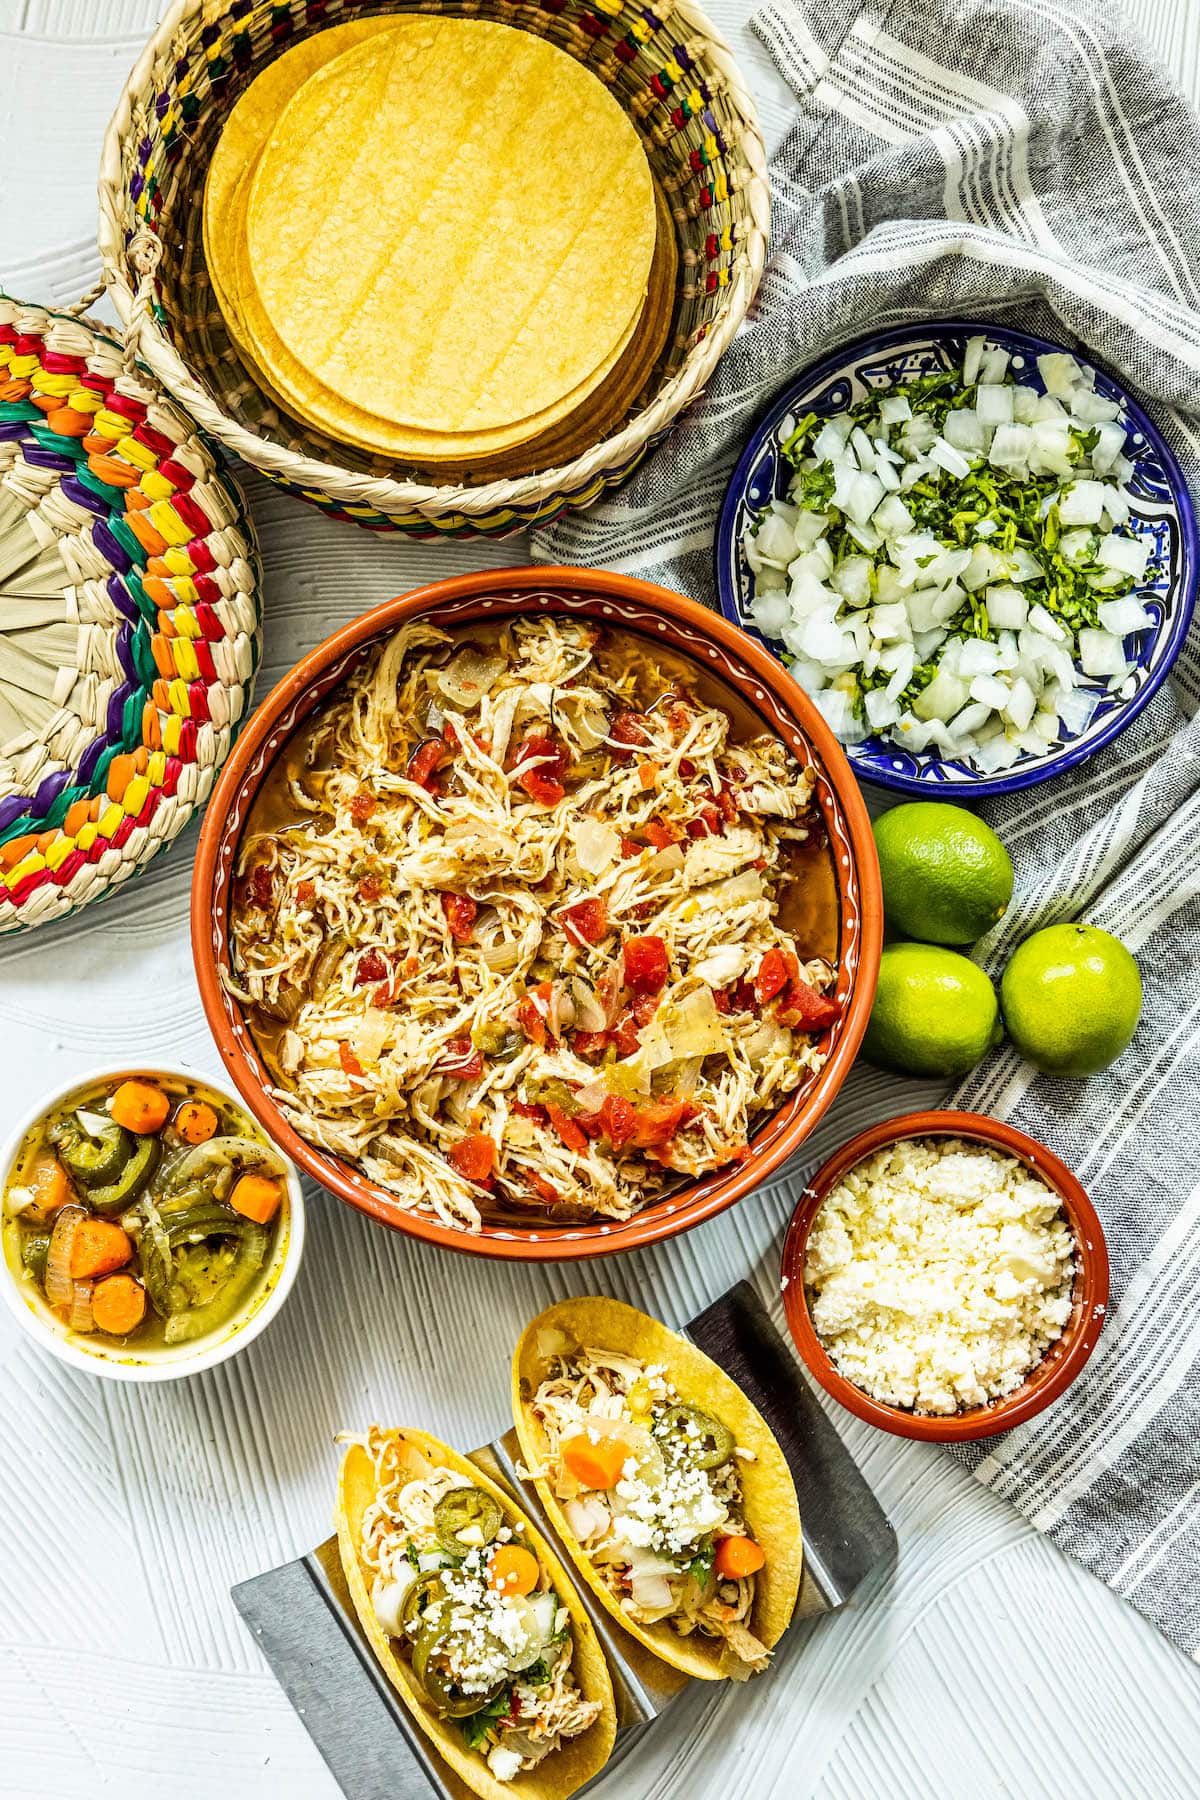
(596, 1455)
(118, 1305)
(195, 1122)
(140, 1107)
(512, 1570)
(737, 1557)
(256, 1197)
(49, 1185)
(98, 1248)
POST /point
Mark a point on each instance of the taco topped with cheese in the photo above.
(664, 1483)
(473, 1619)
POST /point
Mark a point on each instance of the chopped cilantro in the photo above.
(701, 1564)
(476, 1726)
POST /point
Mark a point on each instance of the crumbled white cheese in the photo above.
(938, 1274)
(504, 1764)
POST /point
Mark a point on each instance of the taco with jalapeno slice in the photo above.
(473, 1619)
(664, 1483)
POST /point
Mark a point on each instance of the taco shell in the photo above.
(580, 1758)
(768, 1491)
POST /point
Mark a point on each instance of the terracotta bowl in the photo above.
(663, 617)
(1061, 1363)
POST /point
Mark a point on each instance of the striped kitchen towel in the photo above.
(1025, 160)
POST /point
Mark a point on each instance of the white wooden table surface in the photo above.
(986, 1665)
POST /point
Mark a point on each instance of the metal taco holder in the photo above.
(304, 1622)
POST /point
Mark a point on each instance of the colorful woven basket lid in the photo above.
(130, 615)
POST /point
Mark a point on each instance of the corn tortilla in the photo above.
(768, 1491)
(247, 129)
(452, 227)
(291, 385)
(563, 431)
(578, 1759)
(275, 370)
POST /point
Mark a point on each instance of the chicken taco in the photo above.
(664, 1483)
(473, 1619)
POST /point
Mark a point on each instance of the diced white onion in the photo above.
(1122, 617)
(859, 618)
(1101, 653)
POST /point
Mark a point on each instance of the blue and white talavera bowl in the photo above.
(1162, 511)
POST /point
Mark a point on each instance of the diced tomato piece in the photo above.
(630, 847)
(608, 988)
(772, 977)
(628, 728)
(371, 967)
(542, 780)
(721, 1000)
(542, 788)
(803, 1008)
(370, 887)
(618, 1117)
(306, 892)
(549, 1195)
(425, 762)
(647, 775)
(741, 995)
(473, 1157)
(646, 964)
(687, 767)
(460, 911)
(586, 922)
(532, 1011)
(624, 1035)
(261, 883)
(566, 1128)
(727, 804)
(589, 1044)
(656, 1123)
(523, 1110)
(348, 1060)
(707, 823)
(362, 806)
(662, 832)
(461, 1060)
(531, 1021)
(644, 1008)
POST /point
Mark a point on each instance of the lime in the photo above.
(1072, 997)
(935, 1012)
(947, 877)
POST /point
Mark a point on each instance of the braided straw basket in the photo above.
(129, 615)
(680, 86)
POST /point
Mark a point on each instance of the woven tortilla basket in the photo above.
(129, 615)
(677, 81)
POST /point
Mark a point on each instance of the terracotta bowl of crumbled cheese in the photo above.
(945, 1276)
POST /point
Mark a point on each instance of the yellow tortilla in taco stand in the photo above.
(664, 1484)
(390, 1488)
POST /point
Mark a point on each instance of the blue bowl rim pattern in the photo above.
(827, 368)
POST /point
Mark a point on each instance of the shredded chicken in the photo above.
(529, 1713)
(651, 1537)
(514, 941)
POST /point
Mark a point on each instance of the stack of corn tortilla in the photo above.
(439, 240)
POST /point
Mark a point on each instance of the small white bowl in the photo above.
(123, 1363)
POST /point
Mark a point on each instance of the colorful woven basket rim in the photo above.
(162, 588)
